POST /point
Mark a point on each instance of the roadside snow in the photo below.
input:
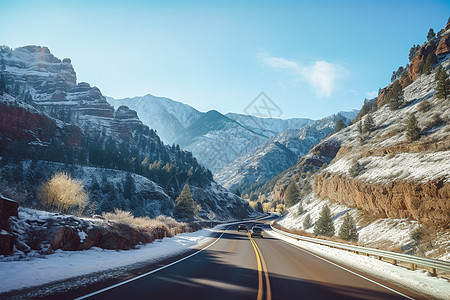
(62, 265)
(417, 281)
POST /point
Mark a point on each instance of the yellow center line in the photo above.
(260, 283)
(260, 258)
(266, 274)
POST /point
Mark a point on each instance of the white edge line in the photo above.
(359, 275)
(166, 266)
(148, 273)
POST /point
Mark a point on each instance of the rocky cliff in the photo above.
(425, 202)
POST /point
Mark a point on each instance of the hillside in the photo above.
(215, 139)
(393, 174)
(50, 123)
(277, 153)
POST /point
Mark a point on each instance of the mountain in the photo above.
(169, 118)
(390, 169)
(278, 153)
(215, 139)
(51, 123)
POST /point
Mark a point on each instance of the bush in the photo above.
(64, 193)
(424, 106)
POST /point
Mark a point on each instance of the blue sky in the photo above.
(312, 58)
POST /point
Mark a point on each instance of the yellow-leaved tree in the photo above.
(64, 193)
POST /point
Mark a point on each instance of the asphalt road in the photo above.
(237, 266)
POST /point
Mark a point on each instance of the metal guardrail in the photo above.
(433, 264)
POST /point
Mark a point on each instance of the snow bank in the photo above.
(66, 264)
(417, 281)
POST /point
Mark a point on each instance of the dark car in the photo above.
(242, 227)
(257, 231)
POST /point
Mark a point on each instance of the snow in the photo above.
(418, 167)
(383, 233)
(66, 264)
(417, 281)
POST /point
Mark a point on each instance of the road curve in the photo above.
(237, 266)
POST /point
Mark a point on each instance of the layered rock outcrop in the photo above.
(428, 202)
(25, 124)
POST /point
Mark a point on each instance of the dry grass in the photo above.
(146, 224)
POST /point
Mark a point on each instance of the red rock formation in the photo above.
(444, 45)
(20, 124)
(8, 208)
(416, 66)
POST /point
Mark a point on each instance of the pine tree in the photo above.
(307, 222)
(129, 187)
(339, 125)
(431, 35)
(413, 51)
(185, 206)
(324, 225)
(354, 169)
(292, 194)
(443, 84)
(412, 129)
(430, 61)
(395, 102)
(300, 209)
(369, 124)
(348, 230)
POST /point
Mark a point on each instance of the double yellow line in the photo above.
(260, 261)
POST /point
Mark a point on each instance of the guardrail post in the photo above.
(433, 272)
(394, 262)
(413, 267)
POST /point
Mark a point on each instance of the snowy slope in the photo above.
(169, 118)
(215, 139)
(278, 153)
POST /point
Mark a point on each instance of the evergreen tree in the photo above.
(339, 125)
(307, 223)
(324, 225)
(354, 169)
(430, 61)
(395, 102)
(369, 124)
(412, 129)
(431, 35)
(185, 206)
(348, 230)
(413, 51)
(300, 209)
(129, 187)
(292, 194)
(443, 84)
(360, 127)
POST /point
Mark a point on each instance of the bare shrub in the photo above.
(64, 193)
(145, 224)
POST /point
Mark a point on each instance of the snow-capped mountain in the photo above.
(169, 118)
(45, 115)
(214, 139)
(278, 153)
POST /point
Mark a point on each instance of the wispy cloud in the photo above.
(321, 75)
(371, 95)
